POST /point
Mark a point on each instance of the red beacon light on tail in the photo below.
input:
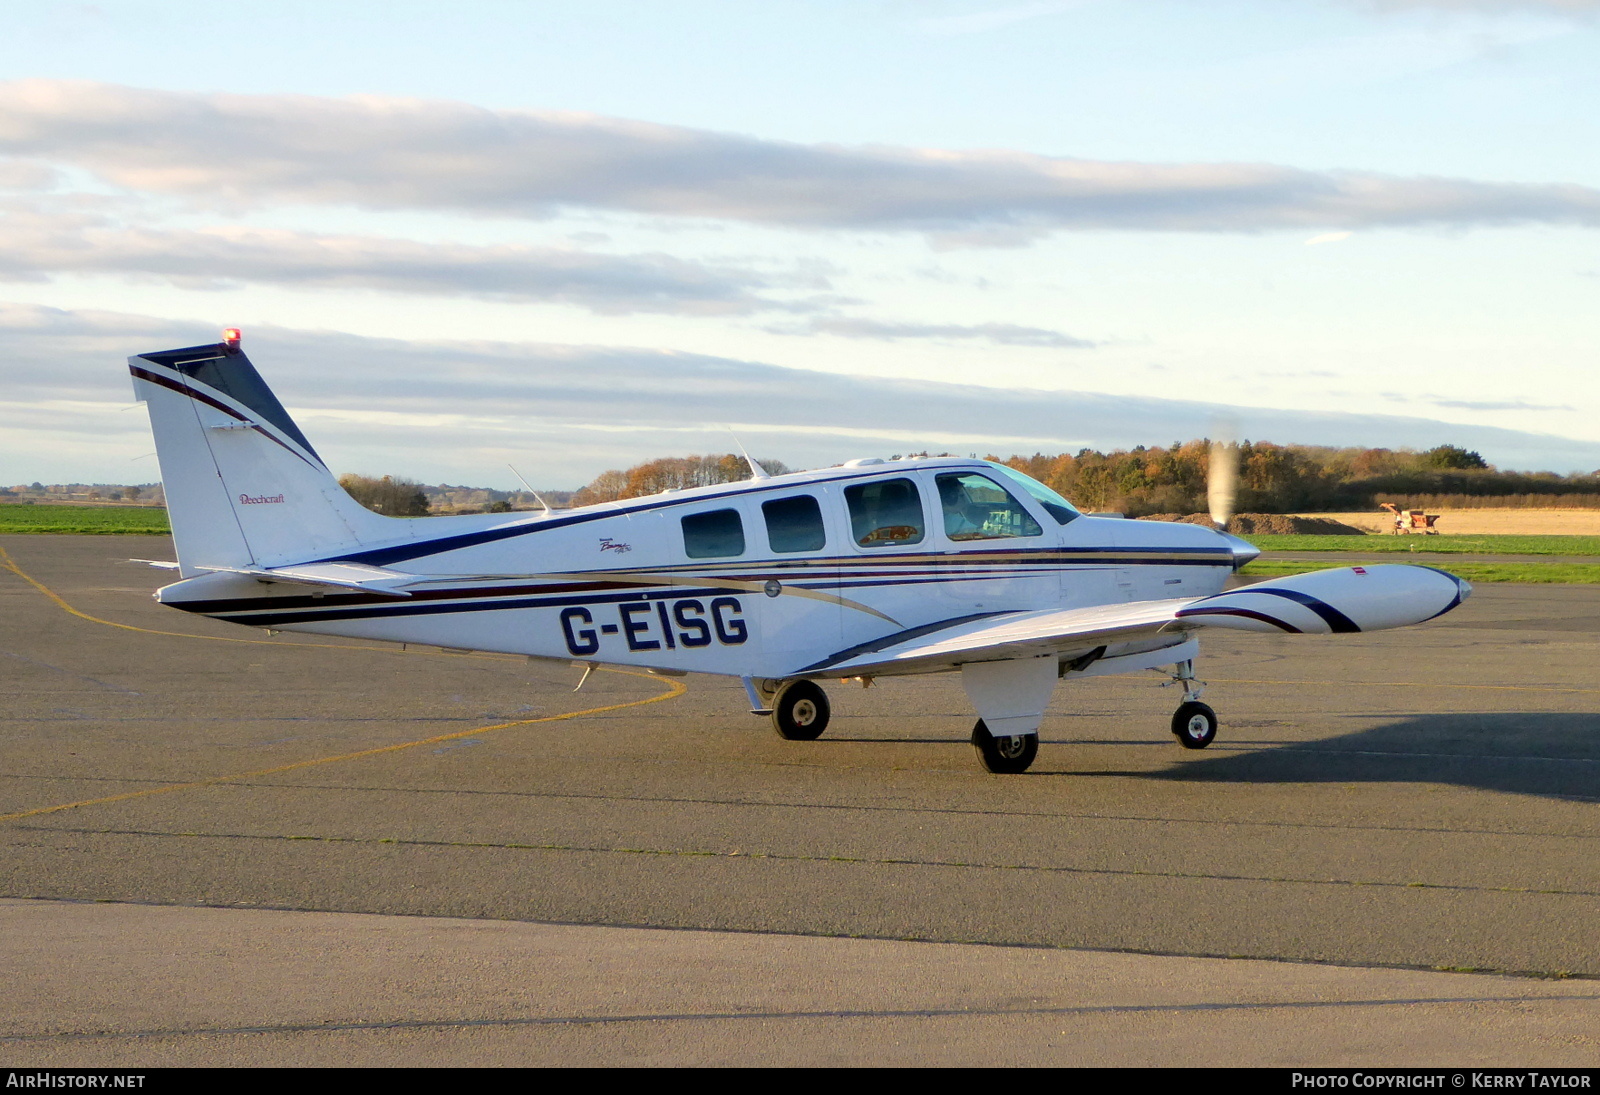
(230, 339)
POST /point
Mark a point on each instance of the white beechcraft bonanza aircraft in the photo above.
(864, 570)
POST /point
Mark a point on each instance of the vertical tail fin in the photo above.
(244, 487)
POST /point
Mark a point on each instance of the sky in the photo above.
(574, 236)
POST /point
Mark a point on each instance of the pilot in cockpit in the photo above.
(963, 519)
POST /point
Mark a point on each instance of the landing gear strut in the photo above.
(800, 711)
(1004, 756)
(1194, 723)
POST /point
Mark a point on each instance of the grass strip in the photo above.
(1533, 573)
(152, 521)
(1435, 545)
(91, 520)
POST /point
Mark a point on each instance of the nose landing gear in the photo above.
(1193, 723)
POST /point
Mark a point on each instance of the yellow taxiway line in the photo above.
(674, 690)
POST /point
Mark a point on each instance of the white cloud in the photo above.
(22, 175)
(36, 243)
(1568, 7)
(217, 150)
(979, 21)
(459, 411)
(1498, 405)
(999, 334)
(1328, 237)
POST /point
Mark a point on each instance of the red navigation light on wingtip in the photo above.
(230, 339)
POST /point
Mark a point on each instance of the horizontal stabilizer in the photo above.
(369, 579)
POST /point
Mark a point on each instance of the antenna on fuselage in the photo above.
(531, 491)
(756, 470)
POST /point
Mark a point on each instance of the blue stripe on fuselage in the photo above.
(468, 600)
(390, 608)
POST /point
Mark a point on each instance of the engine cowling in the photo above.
(1361, 598)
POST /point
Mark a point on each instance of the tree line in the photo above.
(670, 473)
(398, 497)
(1288, 478)
(389, 496)
(1148, 480)
(1139, 481)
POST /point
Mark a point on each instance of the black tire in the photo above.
(1004, 756)
(1195, 724)
(800, 711)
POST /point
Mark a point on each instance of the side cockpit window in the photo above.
(977, 508)
(715, 535)
(1055, 505)
(885, 514)
(794, 524)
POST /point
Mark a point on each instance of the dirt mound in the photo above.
(1271, 524)
(1285, 524)
(1189, 519)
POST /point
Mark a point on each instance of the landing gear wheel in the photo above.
(1004, 756)
(1195, 724)
(800, 711)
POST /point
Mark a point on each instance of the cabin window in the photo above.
(794, 524)
(977, 508)
(885, 514)
(715, 535)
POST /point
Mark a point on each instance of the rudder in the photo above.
(243, 485)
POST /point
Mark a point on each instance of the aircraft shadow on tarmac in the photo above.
(1552, 755)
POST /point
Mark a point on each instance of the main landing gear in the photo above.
(1004, 756)
(800, 711)
(1193, 723)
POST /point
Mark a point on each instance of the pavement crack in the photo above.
(797, 857)
(770, 1015)
(70, 673)
(958, 811)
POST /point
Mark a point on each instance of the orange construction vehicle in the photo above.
(1411, 520)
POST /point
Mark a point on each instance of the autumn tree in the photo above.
(389, 496)
(670, 473)
(1454, 458)
(608, 486)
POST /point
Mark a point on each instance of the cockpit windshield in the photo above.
(1055, 505)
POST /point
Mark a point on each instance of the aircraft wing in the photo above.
(998, 636)
(1347, 599)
